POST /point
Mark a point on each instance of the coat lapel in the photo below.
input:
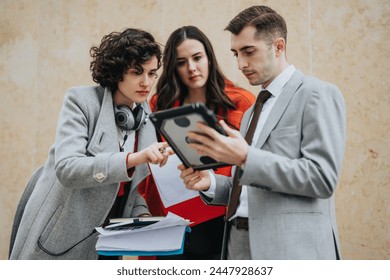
(105, 135)
(280, 106)
(245, 120)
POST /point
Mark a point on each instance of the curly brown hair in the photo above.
(119, 51)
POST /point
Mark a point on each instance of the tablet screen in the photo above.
(174, 125)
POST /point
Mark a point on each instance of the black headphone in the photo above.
(128, 119)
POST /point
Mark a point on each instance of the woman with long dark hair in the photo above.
(191, 74)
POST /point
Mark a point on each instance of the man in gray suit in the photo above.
(290, 171)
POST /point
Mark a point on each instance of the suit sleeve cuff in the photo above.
(130, 172)
(211, 191)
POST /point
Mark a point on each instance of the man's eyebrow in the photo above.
(243, 48)
(246, 47)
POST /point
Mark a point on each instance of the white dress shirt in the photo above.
(275, 88)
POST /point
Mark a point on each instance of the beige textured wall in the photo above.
(44, 50)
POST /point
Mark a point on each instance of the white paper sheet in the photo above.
(165, 235)
(170, 186)
(169, 221)
(162, 239)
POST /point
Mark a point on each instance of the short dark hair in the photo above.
(119, 51)
(268, 23)
(170, 87)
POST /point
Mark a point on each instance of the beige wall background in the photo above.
(44, 48)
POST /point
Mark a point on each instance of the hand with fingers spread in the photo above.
(194, 179)
(230, 149)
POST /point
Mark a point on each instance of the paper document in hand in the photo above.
(170, 186)
(163, 236)
(176, 198)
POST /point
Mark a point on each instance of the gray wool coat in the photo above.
(79, 182)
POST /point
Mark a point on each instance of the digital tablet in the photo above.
(174, 125)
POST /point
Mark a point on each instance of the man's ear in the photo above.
(280, 45)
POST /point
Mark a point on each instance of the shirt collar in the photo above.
(277, 85)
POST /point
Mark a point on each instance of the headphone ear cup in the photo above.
(124, 117)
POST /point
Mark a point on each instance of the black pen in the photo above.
(136, 223)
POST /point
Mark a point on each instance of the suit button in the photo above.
(99, 176)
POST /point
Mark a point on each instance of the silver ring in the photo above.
(162, 150)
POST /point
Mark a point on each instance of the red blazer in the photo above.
(195, 209)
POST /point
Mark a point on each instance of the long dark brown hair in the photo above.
(170, 87)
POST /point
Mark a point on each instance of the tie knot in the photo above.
(263, 96)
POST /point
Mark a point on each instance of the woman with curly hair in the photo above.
(101, 150)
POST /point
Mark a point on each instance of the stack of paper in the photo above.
(165, 237)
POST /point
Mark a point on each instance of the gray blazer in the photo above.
(292, 173)
(79, 182)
